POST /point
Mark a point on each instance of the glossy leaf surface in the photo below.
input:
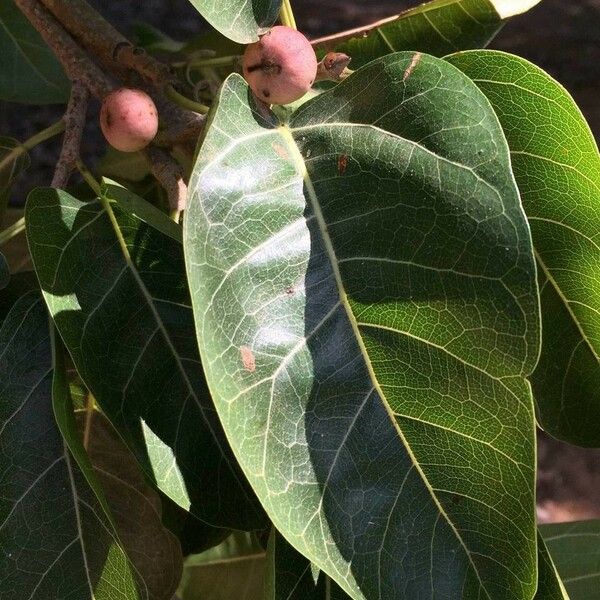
(55, 539)
(438, 27)
(557, 167)
(29, 72)
(239, 20)
(366, 309)
(117, 292)
(575, 548)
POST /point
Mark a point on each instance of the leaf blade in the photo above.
(559, 179)
(277, 312)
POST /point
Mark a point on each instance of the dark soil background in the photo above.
(561, 36)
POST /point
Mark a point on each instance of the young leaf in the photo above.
(291, 576)
(437, 27)
(30, 73)
(557, 167)
(366, 308)
(239, 20)
(575, 548)
(55, 539)
(232, 570)
(116, 290)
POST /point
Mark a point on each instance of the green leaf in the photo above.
(575, 548)
(550, 586)
(4, 272)
(239, 20)
(111, 471)
(30, 73)
(141, 209)
(18, 285)
(13, 161)
(55, 539)
(233, 570)
(291, 576)
(366, 308)
(557, 167)
(438, 27)
(116, 290)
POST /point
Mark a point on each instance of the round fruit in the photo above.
(281, 66)
(129, 119)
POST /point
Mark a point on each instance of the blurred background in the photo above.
(562, 37)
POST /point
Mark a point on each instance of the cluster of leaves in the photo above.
(341, 357)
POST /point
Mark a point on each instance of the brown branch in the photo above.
(330, 42)
(75, 122)
(100, 38)
(77, 64)
(170, 175)
(183, 125)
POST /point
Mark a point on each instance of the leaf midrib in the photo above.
(301, 169)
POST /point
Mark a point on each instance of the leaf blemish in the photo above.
(342, 163)
(413, 63)
(248, 359)
(281, 151)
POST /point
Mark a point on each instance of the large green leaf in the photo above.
(575, 548)
(117, 292)
(30, 74)
(233, 570)
(55, 539)
(437, 27)
(366, 308)
(239, 20)
(557, 166)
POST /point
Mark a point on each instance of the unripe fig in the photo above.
(129, 119)
(281, 66)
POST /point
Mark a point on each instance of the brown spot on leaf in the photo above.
(342, 163)
(413, 63)
(290, 291)
(248, 359)
(281, 151)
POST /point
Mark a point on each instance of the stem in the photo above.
(175, 96)
(287, 15)
(13, 230)
(90, 407)
(88, 177)
(217, 61)
(32, 142)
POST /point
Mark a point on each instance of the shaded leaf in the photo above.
(4, 272)
(575, 548)
(366, 308)
(117, 292)
(550, 586)
(18, 285)
(55, 539)
(436, 27)
(557, 167)
(29, 72)
(233, 570)
(291, 576)
(12, 164)
(239, 20)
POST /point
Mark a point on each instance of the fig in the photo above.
(281, 67)
(128, 119)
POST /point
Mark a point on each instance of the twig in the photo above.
(182, 125)
(170, 175)
(100, 38)
(75, 122)
(75, 61)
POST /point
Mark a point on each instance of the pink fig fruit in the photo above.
(280, 67)
(128, 119)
